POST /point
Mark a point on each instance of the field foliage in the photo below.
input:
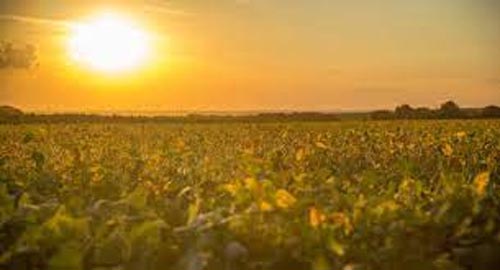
(348, 195)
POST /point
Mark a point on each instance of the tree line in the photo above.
(12, 115)
(447, 110)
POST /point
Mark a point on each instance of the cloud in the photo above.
(166, 9)
(153, 6)
(160, 7)
(34, 20)
(18, 57)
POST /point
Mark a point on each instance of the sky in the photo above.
(241, 55)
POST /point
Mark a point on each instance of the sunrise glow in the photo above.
(109, 43)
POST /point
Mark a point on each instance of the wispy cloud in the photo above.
(166, 9)
(153, 6)
(34, 20)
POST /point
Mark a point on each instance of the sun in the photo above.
(109, 43)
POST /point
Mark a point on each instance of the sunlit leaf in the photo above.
(265, 206)
(315, 217)
(299, 155)
(447, 149)
(481, 182)
(321, 145)
(284, 199)
(193, 210)
(336, 247)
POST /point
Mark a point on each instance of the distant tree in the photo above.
(10, 111)
(490, 112)
(382, 115)
(450, 109)
(405, 111)
(16, 56)
(10, 114)
(424, 113)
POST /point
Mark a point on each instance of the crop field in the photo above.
(320, 196)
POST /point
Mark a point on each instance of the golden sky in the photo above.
(264, 55)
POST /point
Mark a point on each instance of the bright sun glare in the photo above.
(109, 43)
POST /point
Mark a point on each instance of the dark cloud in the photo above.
(17, 56)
